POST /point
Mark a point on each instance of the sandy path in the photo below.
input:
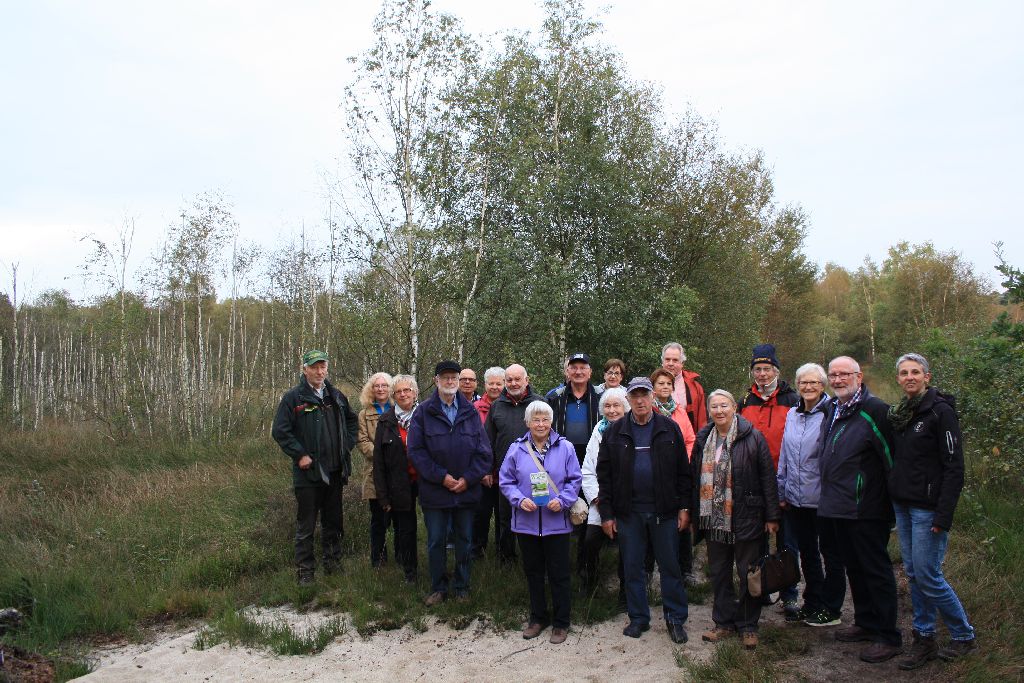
(474, 654)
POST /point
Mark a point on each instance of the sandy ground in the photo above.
(478, 653)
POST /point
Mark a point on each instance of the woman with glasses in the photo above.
(614, 373)
(799, 489)
(540, 477)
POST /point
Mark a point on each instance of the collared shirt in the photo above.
(679, 391)
(450, 411)
(841, 406)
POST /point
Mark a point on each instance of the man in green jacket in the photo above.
(316, 428)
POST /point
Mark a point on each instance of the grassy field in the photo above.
(102, 538)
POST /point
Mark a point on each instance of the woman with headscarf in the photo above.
(394, 477)
(375, 400)
(735, 503)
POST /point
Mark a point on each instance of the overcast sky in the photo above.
(885, 121)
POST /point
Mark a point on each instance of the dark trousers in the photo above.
(685, 552)
(833, 590)
(728, 612)
(863, 545)
(547, 556)
(637, 532)
(405, 539)
(487, 508)
(594, 540)
(506, 540)
(437, 522)
(379, 523)
(323, 500)
(802, 524)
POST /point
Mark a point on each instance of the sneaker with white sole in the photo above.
(823, 618)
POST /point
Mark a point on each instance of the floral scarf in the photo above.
(716, 487)
(666, 408)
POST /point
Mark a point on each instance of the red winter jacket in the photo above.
(769, 415)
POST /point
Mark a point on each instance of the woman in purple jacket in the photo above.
(541, 478)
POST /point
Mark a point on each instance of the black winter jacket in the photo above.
(560, 396)
(929, 459)
(856, 456)
(755, 495)
(505, 423)
(615, 460)
(391, 465)
(298, 425)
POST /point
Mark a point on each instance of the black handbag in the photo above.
(772, 573)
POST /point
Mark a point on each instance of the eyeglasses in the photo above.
(809, 383)
(833, 376)
(613, 371)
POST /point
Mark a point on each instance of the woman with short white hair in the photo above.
(540, 477)
(799, 480)
(613, 405)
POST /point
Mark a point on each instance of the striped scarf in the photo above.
(666, 408)
(405, 415)
(716, 487)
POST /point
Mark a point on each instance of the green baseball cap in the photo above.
(314, 356)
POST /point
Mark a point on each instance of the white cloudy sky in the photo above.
(884, 120)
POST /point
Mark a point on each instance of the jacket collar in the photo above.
(819, 407)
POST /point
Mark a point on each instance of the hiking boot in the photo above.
(823, 618)
(853, 634)
(921, 652)
(798, 615)
(461, 597)
(876, 653)
(558, 636)
(749, 640)
(957, 648)
(677, 632)
(790, 608)
(533, 630)
(717, 634)
(634, 629)
(435, 598)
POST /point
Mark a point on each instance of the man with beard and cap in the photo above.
(450, 452)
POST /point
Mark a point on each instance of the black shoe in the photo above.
(410, 577)
(634, 629)
(306, 578)
(677, 633)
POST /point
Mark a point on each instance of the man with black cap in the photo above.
(575, 404)
(643, 479)
(316, 428)
(451, 454)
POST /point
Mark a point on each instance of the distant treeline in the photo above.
(505, 202)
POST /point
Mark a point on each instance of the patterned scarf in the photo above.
(405, 415)
(716, 487)
(666, 408)
(902, 413)
(603, 425)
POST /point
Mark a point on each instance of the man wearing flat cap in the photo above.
(451, 454)
(643, 480)
(316, 428)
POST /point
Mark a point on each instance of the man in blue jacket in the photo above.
(316, 428)
(451, 454)
(855, 509)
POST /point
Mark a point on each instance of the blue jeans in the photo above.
(633, 530)
(437, 521)
(923, 552)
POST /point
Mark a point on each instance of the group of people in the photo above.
(662, 467)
